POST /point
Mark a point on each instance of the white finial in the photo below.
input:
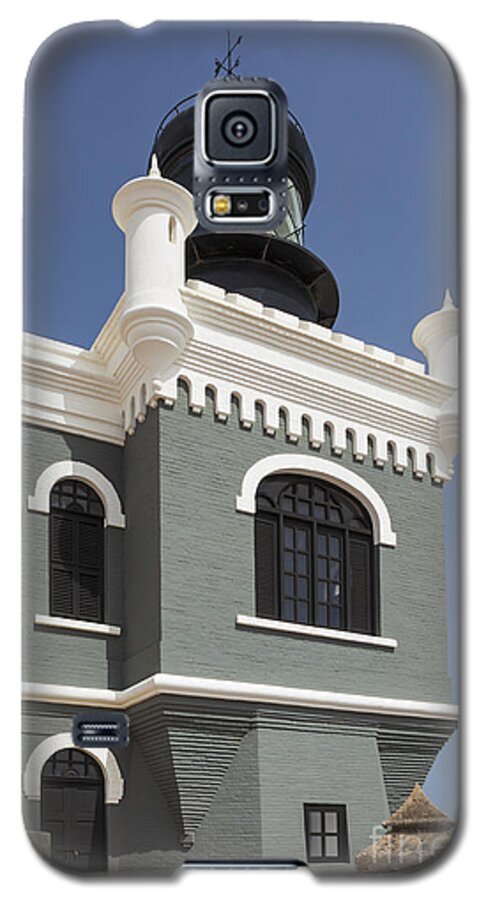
(436, 336)
(154, 167)
(448, 301)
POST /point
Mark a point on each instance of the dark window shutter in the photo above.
(89, 597)
(62, 539)
(90, 543)
(76, 553)
(360, 585)
(62, 592)
(266, 567)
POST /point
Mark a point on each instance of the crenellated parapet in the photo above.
(319, 385)
(272, 369)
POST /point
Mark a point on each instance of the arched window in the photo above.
(76, 551)
(315, 560)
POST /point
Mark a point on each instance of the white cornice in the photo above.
(70, 389)
(247, 692)
(245, 318)
(268, 359)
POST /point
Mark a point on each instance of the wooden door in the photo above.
(73, 810)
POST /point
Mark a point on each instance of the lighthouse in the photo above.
(235, 521)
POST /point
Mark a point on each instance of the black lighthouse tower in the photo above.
(274, 268)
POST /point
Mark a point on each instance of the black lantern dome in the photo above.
(274, 268)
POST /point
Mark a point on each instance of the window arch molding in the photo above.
(332, 472)
(68, 468)
(114, 783)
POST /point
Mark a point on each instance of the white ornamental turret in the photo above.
(437, 337)
(156, 216)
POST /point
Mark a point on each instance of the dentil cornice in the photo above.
(269, 360)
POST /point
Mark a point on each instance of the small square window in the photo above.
(326, 831)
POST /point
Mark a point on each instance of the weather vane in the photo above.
(227, 65)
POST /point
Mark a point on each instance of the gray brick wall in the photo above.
(208, 575)
(142, 614)
(50, 655)
(298, 768)
(283, 759)
(187, 561)
(177, 577)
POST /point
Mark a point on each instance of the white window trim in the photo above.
(353, 637)
(114, 784)
(77, 625)
(68, 468)
(321, 468)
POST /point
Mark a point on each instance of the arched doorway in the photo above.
(73, 810)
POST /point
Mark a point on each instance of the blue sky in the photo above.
(378, 108)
